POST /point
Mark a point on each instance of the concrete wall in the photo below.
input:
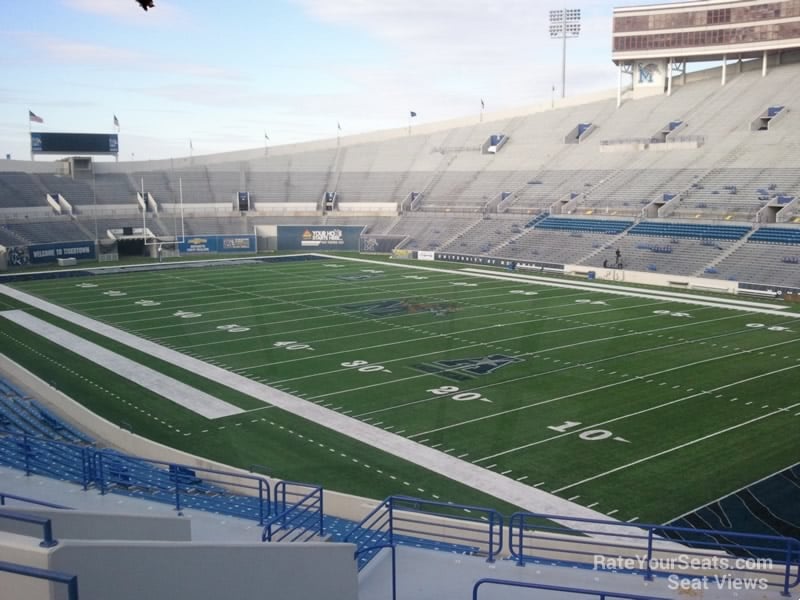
(175, 571)
(82, 525)
(23, 550)
(683, 282)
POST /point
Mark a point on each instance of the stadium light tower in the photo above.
(565, 24)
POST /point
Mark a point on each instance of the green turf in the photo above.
(589, 395)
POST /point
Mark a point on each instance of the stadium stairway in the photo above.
(727, 252)
(612, 243)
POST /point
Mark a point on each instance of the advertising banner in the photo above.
(47, 253)
(318, 237)
(207, 244)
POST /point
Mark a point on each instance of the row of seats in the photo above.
(21, 414)
(611, 226)
(690, 230)
(778, 235)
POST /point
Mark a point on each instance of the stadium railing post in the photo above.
(26, 449)
(648, 575)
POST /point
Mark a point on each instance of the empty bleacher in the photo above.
(674, 255)
(552, 245)
(20, 189)
(54, 229)
(426, 233)
(769, 264)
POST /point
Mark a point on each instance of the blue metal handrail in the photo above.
(90, 466)
(300, 520)
(400, 519)
(557, 588)
(71, 581)
(182, 479)
(655, 550)
(372, 533)
(48, 541)
(6, 495)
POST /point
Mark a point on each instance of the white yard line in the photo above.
(638, 378)
(178, 392)
(524, 354)
(573, 366)
(488, 482)
(445, 335)
(746, 305)
(676, 448)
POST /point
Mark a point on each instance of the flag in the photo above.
(266, 137)
(191, 147)
(116, 122)
(34, 118)
(413, 114)
(482, 104)
(338, 125)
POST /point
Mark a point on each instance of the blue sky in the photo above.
(223, 72)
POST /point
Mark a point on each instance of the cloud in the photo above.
(498, 48)
(79, 54)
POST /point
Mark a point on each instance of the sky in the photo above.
(220, 74)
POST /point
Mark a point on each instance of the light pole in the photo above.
(565, 23)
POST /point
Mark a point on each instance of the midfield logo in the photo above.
(358, 276)
(460, 369)
(388, 308)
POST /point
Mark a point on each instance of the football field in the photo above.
(640, 407)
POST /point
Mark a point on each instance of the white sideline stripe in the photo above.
(191, 398)
(595, 287)
(670, 450)
(745, 305)
(483, 480)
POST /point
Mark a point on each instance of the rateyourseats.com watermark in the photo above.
(685, 573)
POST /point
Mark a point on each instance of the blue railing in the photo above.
(655, 550)
(557, 588)
(299, 513)
(71, 581)
(184, 485)
(6, 496)
(48, 541)
(402, 520)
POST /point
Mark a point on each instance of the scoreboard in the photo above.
(74, 143)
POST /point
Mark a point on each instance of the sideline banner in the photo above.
(49, 253)
(206, 244)
(319, 237)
